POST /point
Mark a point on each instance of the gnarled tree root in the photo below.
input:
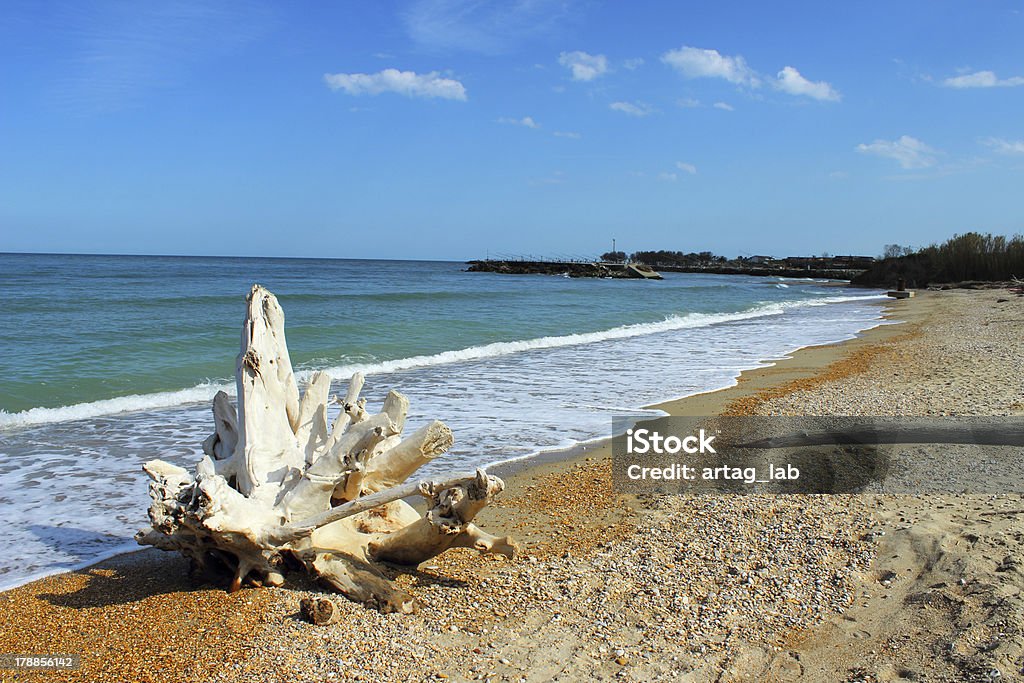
(278, 482)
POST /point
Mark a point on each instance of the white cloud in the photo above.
(668, 177)
(688, 168)
(526, 121)
(408, 83)
(584, 67)
(908, 151)
(790, 81)
(572, 135)
(1005, 146)
(631, 108)
(982, 79)
(688, 103)
(694, 62)
(633, 64)
(724, 106)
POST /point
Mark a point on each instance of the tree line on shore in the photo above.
(972, 256)
(969, 257)
(664, 258)
(706, 259)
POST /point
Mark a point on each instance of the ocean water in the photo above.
(110, 361)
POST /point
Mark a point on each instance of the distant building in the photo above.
(807, 262)
(829, 262)
(852, 262)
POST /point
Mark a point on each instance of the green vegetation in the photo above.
(895, 251)
(675, 258)
(964, 258)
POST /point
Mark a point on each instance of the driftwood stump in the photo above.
(278, 482)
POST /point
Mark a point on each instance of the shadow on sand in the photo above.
(129, 578)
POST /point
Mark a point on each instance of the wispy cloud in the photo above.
(908, 151)
(693, 62)
(789, 80)
(408, 83)
(686, 168)
(688, 102)
(668, 177)
(633, 64)
(631, 108)
(724, 106)
(120, 51)
(982, 79)
(1004, 146)
(572, 135)
(556, 178)
(584, 67)
(485, 27)
(526, 122)
(941, 170)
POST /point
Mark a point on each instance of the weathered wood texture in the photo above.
(278, 481)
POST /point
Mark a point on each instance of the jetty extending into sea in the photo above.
(601, 269)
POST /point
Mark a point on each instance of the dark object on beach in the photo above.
(320, 611)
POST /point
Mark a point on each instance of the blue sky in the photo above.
(449, 129)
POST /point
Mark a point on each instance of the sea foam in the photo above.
(206, 390)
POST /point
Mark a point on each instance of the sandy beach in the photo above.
(609, 587)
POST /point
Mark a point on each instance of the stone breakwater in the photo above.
(566, 268)
(769, 271)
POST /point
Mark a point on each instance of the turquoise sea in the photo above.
(110, 361)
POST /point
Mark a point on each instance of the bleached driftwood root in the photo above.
(279, 484)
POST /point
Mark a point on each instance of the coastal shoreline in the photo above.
(799, 363)
(693, 404)
(141, 440)
(576, 604)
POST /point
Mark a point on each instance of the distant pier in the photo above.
(770, 271)
(598, 269)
